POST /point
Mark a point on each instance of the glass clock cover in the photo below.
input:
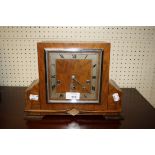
(73, 75)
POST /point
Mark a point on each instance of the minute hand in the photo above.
(77, 82)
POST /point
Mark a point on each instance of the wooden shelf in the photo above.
(137, 114)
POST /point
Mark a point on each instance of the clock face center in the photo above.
(74, 75)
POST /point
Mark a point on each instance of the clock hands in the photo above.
(73, 78)
(82, 85)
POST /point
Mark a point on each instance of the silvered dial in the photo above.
(76, 71)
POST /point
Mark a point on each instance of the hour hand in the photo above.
(74, 79)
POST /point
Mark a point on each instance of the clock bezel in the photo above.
(75, 50)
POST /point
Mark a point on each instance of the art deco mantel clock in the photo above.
(73, 80)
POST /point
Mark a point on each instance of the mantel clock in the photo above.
(73, 80)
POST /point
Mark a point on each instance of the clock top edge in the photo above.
(73, 42)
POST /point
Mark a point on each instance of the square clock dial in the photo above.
(73, 75)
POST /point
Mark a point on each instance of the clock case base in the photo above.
(33, 109)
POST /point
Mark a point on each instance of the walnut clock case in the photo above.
(73, 80)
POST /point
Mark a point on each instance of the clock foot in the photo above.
(114, 117)
(33, 117)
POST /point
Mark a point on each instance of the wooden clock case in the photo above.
(107, 105)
